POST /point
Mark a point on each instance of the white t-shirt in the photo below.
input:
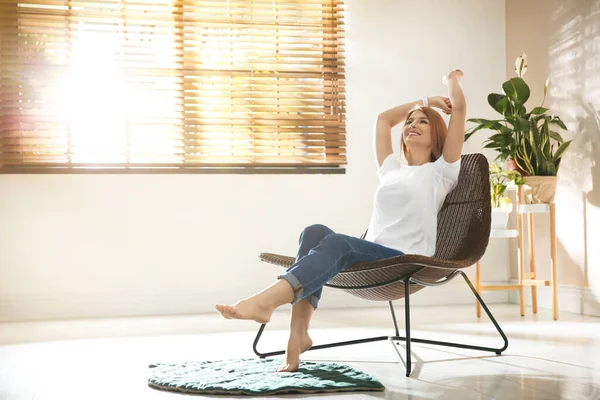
(407, 202)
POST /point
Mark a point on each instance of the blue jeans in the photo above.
(322, 254)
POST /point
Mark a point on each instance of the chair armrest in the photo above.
(277, 259)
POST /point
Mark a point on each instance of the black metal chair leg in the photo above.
(394, 318)
(255, 344)
(460, 345)
(407, 324)
(322, 346)
(408, 339)
(488, 312)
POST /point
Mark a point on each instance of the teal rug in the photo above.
(253, 376)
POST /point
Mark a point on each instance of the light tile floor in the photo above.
(107, 359)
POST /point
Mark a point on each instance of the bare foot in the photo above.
(297, 344)
(246, 309)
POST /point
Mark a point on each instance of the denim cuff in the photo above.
(296, 285)
(314, 301)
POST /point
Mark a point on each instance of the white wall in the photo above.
(562, 41)
(109, 245)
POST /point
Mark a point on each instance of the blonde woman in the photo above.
(404, 218)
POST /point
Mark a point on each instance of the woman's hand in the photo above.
(441, 102)
(454, 74)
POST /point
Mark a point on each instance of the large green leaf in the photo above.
(490, 145)
(469, 134)
(482, 124)
(488, 124)
(530, 153)
(545, 162)
(500, 139)
(538, 162)
(534, 137)
(523, 161)
(546, 147)
(545, 134)
(520, 124)
(556, 136)
(499, 102)
(481, 121)
(548, 170)
(526, 144)
(538, 110)
(521, 111)
(557, 121)
(517, 90)
(560, 151)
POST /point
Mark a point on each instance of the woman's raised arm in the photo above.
(383, 129)
(456, 127)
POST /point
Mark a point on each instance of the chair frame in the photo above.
(418, 271)
(407, 339)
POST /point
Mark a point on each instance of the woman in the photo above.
(404, 219)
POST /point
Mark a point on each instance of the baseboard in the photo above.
(105, 305)
(110, 305)
(573, 299)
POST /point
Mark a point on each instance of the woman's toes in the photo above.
(224, 310)
(288, 367)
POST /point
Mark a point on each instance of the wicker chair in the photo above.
(462, 238)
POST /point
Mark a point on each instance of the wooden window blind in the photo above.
(171, 84)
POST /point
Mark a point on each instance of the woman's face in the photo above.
(417, 130)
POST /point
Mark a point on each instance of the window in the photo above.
(180, 85)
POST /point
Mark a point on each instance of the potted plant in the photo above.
(538, 157)
(526, 140)
(516, 121)
(501, 205)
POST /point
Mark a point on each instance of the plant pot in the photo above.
(543, 189)
(500, 217)
(511, 165)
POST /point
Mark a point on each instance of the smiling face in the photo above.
(424, 132)
(417, 130)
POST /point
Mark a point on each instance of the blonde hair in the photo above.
(439, 130)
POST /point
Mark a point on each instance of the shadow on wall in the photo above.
(589, 134)
(589, 130)
(583, 174)
(582, 167)
(574, 69)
